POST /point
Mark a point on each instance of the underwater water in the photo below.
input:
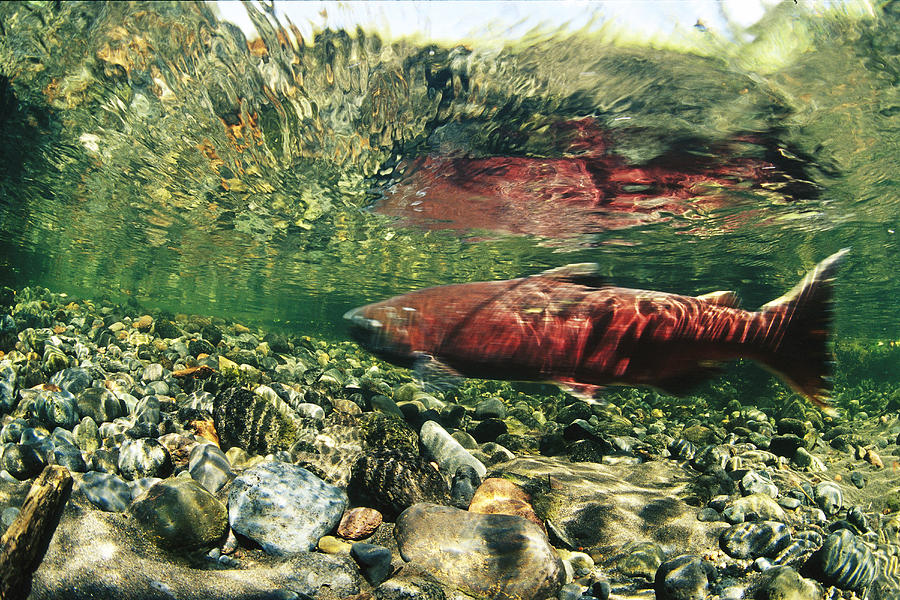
(197, 198)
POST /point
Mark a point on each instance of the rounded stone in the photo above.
(100, 404)
(106, 491)
(374, 560)
(73, 380)
(144, 457)
(393, 481)
(492, 408)
(496, 555)
(842, 561)
(829, 497)
(87, 434)
(359, 523)
(641, 559)
(758, 482)
(784, 583)
(755, 539)
(57, 409)
(22, 461)
(686, 577)
(180, 514)
(462, 488)
(69, 457)
(209, 467)
(448, 452)
(284, 508)
(496, 496)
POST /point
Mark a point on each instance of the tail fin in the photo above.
(802, 356)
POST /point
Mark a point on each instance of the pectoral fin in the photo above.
(436, 375)
(584, 391)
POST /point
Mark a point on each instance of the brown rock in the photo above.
(205, 429)
(497, 496)
(359, 523)
(179, 448)
(200, 372)
(144, 323)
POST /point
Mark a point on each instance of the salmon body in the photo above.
(567, 325)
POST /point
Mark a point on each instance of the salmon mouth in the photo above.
(357, 319)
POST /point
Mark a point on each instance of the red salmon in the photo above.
(567, 325)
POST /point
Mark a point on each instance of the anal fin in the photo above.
(436, 375)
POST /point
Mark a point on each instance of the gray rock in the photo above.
(106, 491)
(180, 514)
(374, 561)
(755, 539)
(87, 435)
(22, 461)
(284, 508)
(686, 577)
(144, 457)
(147, 410)
(209, 467)
(383, 404)
(842, 561)
(73, 380)
(642, 559)
(7, 386)
(448, 453)
(462, 488)
(56, 409)
(498, 555)
(829, 497)
(100, 404)
(153, 372)
(68, 456)
(139, 486)
(758, 482)
(785, 583)
(492, 408)
(12, 431)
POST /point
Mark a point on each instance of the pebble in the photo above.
(491, 408)
(68, 456)
(462, 488)
(829, 497)
(22, 461)
(448, 453)
(758, 482)
(496, 496)
(100, 404)
(784, 583)
(497, 555)
(685, 577)
(87, 435)
(284, 508)
(642, 559)
(209, 467)
(106, 491)
(180, 514)
(144, 457)
(374, 560)
(843, 561)
(391, 482)
(57, 409)
(359, 523)
(761, 505)
(755, 539)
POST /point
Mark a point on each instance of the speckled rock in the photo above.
(393, 481)
(180, 514)
(284, 508)
(502, 556)
(685, 577)
(144, 457)
(359, 523)
(251, 422)
(641, 559)
(784, 583)
(87, 434)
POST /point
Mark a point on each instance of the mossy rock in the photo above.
(385, 431)
(251, 422)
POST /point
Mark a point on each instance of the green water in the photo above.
(150, 155)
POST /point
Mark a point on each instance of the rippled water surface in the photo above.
(154, 153)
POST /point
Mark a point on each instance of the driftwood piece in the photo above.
(23, 545)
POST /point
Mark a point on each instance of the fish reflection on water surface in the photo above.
(568, 326)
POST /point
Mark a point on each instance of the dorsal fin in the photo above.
(578, 273)
(722, 298)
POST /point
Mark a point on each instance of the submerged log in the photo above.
(23, 545)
